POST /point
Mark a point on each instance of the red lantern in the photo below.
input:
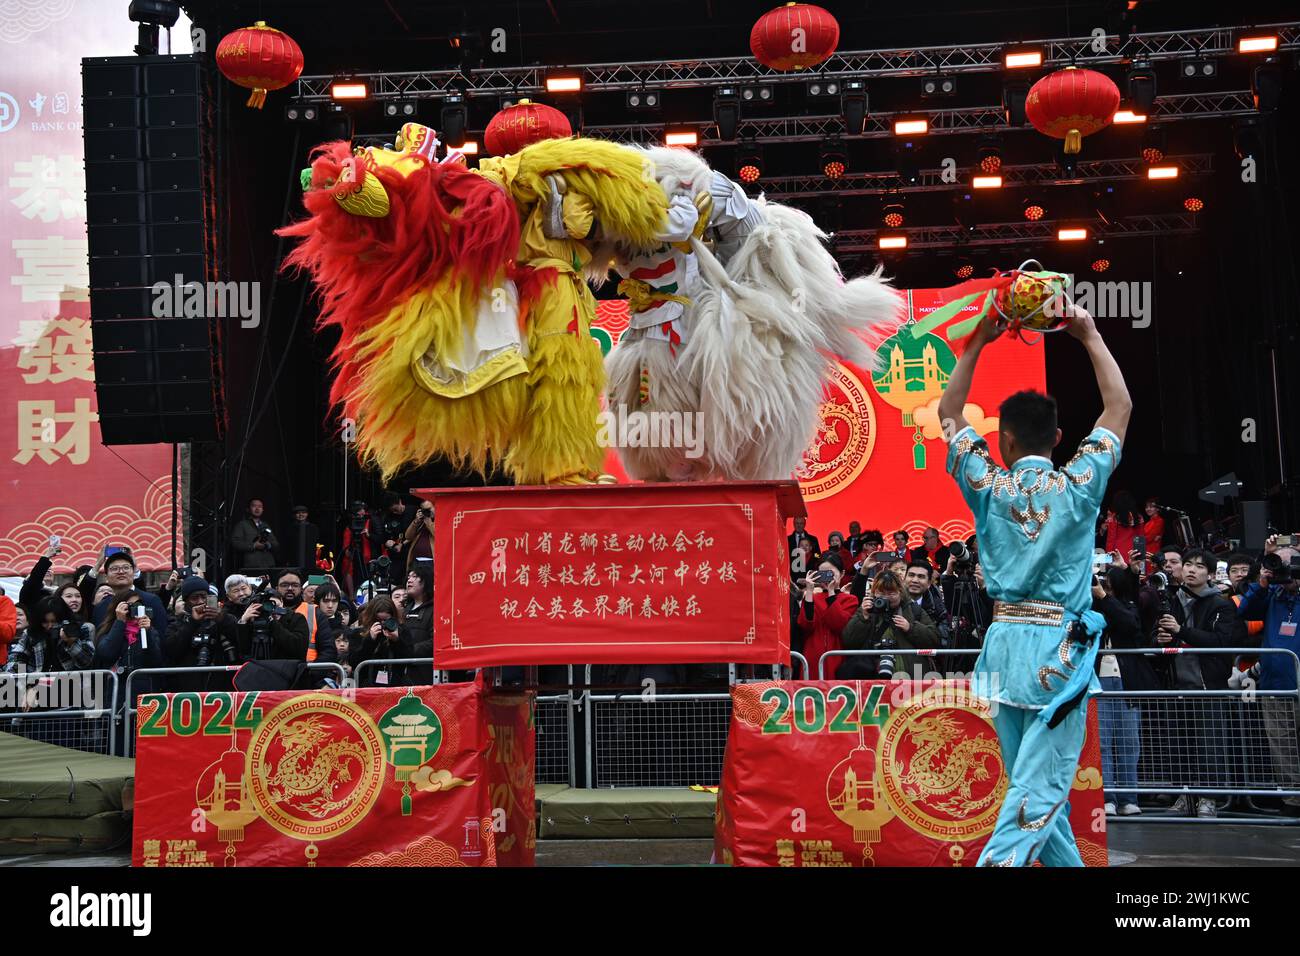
(1071, 104)
(260, 58)
(794, 37)
(522, 125)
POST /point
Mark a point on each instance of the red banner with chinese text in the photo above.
(611, 574)
(60, 480)
(874, 773)
(406, 776)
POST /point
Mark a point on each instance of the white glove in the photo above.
(682, 217)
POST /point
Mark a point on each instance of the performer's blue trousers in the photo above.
(1035, 819)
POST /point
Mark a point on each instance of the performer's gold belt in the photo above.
(1029, 612)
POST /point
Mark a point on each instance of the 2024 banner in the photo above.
(403, 776)
(874, 773)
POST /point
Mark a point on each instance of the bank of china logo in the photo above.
(9, 112)
(845, 437)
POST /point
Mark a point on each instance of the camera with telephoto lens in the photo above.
(359, 516)
(885, 664)
(1281, 571)
(261, 624)
(963, 562)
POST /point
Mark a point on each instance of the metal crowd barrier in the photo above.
(66, 708)
(128, 710)
(1223, 745)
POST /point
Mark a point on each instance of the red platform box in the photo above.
(875, 773)
(607, 574)
(401, 776)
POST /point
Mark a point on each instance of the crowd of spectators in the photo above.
(892, 597)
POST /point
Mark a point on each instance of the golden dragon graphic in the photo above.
(967, 763)
(304, 772)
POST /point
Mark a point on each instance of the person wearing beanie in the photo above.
(207, 636)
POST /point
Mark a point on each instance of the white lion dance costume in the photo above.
(743, 333)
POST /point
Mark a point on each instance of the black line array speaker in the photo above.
(1254, 525)
(148, 202)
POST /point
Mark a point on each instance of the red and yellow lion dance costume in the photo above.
(461, 299)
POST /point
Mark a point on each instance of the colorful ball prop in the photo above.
(523, 124)
(260, 58)
(794, 37)
(1071, 104)
(1032, 300)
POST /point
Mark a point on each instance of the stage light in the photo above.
(1142, 86)
(986, 182)
(936, 87)
(1100, 265)
(911, 127)
(833, 158)
(150, 15)
(1193, 204)
(469, 147)
(749, 163)
(726, 111)
(564, 83)
(1162, 172)
(894, 215)
(1153, 145)
(823, 87)
(853, 106)
(686, 137)
(405, 109)
(348, 89)
(1072, 234)
(1128, 116)
(298, 112)
(891, 242)
(1033, 211)
(644, 99)
(1257, 44)
(760, 95)
(989, 153)
(1266, 85)
(454, 117)
(1199, 69)
(1014, 96)
(1022, 59)
(964, 269)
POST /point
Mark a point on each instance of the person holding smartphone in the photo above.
(119, 571)
(823, 612)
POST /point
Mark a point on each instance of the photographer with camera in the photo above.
(823, 612)
(55, 639)
(120, 572)
(419, 535)
(357, 549)
(206, 636)
(965, 599)
(1200, 616)
(1277, 605)
(383, 637)
(392, 536)
(270, 631)
(252, 539)
(886, 622)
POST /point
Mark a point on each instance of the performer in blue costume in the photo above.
(1035, 527)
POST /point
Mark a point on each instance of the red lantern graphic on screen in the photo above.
(1071, 104)
(794, 37)
(522, 125)
(260, 58)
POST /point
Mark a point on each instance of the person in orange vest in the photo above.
(289, 586)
